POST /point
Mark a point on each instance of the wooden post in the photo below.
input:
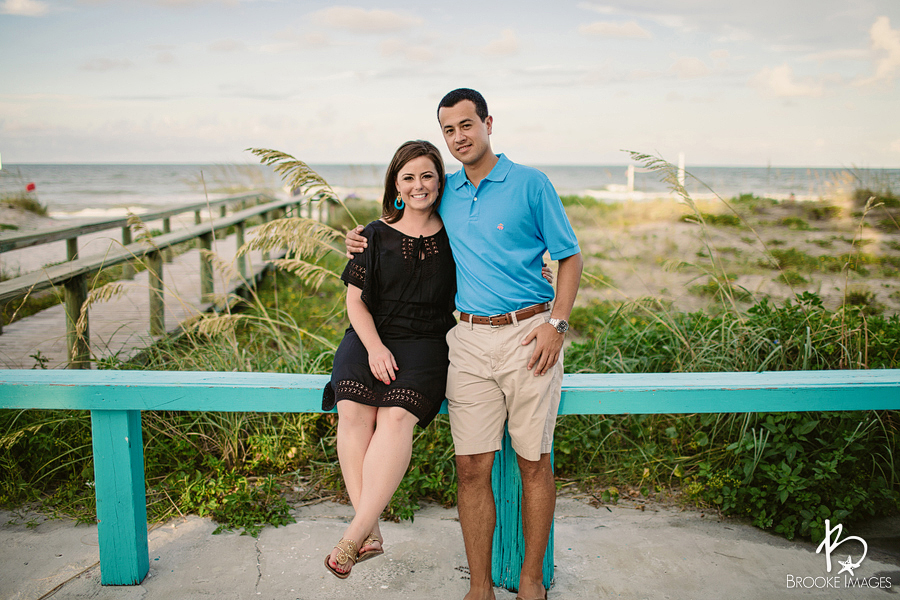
(223, 210)
(509, 545)
(72, 248)
(265, 219)
(197, 219)
(121, 495)
(157, 306)
(127, 267)
(206, 270)
(168, 255)
(75, 292)
(239, 241)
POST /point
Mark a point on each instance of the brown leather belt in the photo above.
(506, 318)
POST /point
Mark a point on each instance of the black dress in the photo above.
(408, 284)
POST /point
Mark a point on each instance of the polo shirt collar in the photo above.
(498, 173)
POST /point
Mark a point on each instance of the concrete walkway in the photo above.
(607, 552)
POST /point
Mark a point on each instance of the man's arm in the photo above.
(549, 341)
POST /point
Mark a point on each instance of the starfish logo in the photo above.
(829, 545)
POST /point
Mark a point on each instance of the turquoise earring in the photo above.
(398, 203)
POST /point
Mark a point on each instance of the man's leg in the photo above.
(477, 516)
(538, 504)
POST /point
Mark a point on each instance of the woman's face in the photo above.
(418, 184)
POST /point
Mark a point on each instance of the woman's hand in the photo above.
(547, 273)
(355, 241)
(383, 364)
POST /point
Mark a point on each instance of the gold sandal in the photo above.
(347, 552)
(371, 553)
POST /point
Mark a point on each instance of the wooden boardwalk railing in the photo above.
(74, 274)
(71, 233)
(116, 399)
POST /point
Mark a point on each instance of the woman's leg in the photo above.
(356, 425)
(383, 467)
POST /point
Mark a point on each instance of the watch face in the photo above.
(562, 326)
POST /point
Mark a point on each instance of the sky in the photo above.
(726, 83)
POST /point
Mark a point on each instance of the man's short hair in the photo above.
(456, 96)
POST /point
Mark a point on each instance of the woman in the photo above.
(390, 370)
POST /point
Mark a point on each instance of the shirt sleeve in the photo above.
(361, 270)
(553, 224)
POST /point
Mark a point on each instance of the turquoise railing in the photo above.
(116, 399)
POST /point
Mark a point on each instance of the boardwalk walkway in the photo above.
(120, 327)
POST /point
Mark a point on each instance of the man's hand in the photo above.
(548, 345)
(355, 241)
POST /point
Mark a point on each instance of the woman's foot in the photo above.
(342, 558)
(372, 546)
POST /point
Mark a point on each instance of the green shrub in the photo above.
(795, 224)
(862, 195)
(822, 213)
(791, 471)
(726, 220)
(791, 278)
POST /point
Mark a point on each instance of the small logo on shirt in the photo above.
(500, 226)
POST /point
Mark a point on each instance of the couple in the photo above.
(505, 354)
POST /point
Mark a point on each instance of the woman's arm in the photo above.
(381, 361)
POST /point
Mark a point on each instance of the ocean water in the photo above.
(105, 190)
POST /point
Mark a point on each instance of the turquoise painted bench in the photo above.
(116, 399)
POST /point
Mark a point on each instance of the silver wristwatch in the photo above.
(561, 325)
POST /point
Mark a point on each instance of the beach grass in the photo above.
(668, 287)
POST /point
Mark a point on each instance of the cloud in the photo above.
(24, 8)
(189, 3)
(664, 19)
(781, 83)
(360, 20)
(689, 67)
(836, 55)
(731, 34)
(226, 46)
(603, 9)
(506, 45)
(290, 41)
(105, 64)
(886, 45)
(166, 58)
(609, 29)
(411, 52)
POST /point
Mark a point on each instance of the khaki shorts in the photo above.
(488, 384)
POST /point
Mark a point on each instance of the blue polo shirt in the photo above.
(499, 233)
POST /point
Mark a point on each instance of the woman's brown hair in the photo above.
(405, 153)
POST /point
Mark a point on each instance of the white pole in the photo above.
(681, 169)
(630, 178)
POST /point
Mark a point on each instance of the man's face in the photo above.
(466, 135)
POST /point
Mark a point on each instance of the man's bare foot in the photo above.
(531, 590)
(480, 594)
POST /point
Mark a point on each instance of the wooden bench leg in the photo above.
(121, 496)
(509, 545)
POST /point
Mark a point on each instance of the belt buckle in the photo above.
(491, 321)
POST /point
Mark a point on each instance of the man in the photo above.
(506, 351)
